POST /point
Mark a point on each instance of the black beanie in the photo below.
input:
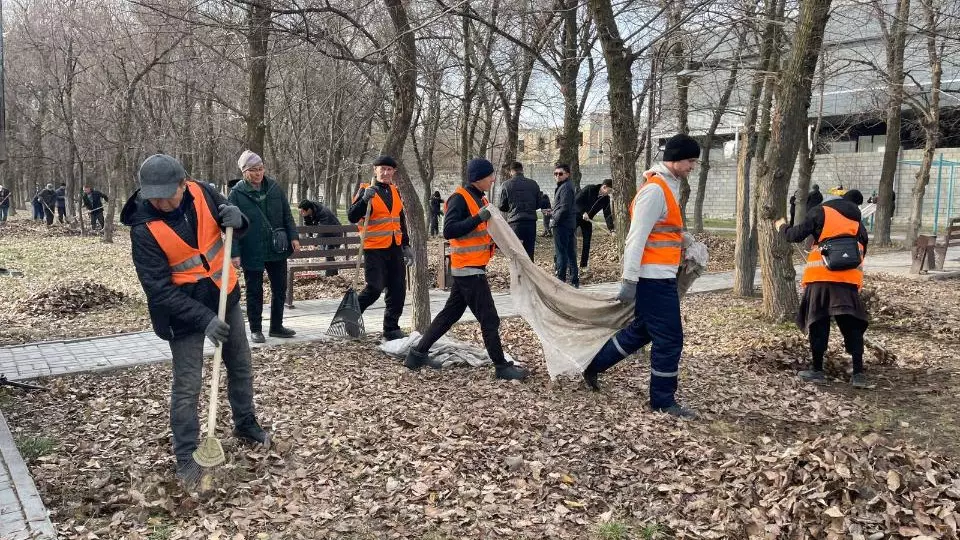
(478, 169)
(681, 147)
(854, 196)
(386, 161)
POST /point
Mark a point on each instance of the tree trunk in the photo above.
(623, 155)
(258, 35)
(774, 172)
(896, 43)
(403, 79)
(569, 69)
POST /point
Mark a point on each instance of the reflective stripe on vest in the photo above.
(384, 226)
(665, 243)
(189, 264)
(834, 225)
(476, 247)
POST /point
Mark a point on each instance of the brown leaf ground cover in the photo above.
(368, 450)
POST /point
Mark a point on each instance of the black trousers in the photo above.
(277, 273)
(546, 225)
(565, 256)
(48, 215)
(468, 292)
(96, 219)
(434, 224)
(384, 269)
(526, 231)
(586, 231)
(61, 213)
(852, 329)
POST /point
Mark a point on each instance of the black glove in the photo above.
(369, 193)
(484, 214)
(230, 216)
(217, 330)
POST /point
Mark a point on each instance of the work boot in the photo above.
(859, 380)
(812, 375)
(253, 435)
(282, 332)
(678, 411)
(591, 381)
(510, 372)
(390, 335)
(416, 360)
(192, 477)
(257, 337)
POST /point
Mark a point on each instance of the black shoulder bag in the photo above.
(279, 241)
(841, 253)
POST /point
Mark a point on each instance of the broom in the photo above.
(348, 320)
(210, 451)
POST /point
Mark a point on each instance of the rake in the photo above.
(348, 320)
(210, 452)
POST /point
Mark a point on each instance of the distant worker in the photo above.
(315, 213)
(832, 280)
(591, 200)
(520, 198)
(436, 203)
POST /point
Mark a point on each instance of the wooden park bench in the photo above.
(443, 274)
(313, 253)
(930, 255)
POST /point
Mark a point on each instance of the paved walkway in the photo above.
(23, 513)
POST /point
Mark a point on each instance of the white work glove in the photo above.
(369, 193)
(484, 213)
(408, 256)
(628, 292)
(217, 330)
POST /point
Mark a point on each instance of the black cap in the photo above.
(478, 169)
(385, 161)
(854, 196)
(608, 182)
(681, 147)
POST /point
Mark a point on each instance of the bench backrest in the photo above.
(952, 234)
(315, 239)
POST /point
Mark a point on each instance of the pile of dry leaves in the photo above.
(70, 299)
(366, 449)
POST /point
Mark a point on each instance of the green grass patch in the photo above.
(32, 448)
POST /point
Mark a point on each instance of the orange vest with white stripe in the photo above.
(476, 247)
(665, 243)
(192, 264)
(384, 227)
(834, 225)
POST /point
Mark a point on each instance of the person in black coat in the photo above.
(545, 209)
(61, 203)
(564, 225)
(313, 214)
(166, 217)
(5, 195)
(831, 294)
(814, 197)
(589, 201)
(435, 212)
(93, 201)
(520, 198)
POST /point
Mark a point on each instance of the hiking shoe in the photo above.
(257, 337)
(390, 335)
(510, 372)
(859, 380)
(192, 477)
(416, 360)
(678, 411)
(253, 435)
(282, 332)
(812, 375)
(591, 381)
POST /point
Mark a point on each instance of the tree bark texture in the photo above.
(258, 36)
(788, 120)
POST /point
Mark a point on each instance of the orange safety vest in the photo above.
(665, 243)
(476, 247)
(384, 223)
(191, 264)
(834, 225)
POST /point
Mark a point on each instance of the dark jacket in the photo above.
(320, 215)
(94, 201)
(5, 198)
(589, 201)
(458, 221)
(175, 310)
(61, 197)
(521, 197)
(359, 209)
(544, 201)
(814, 198)
(47, 197)
(813, 222)
(564, 210)
(436, 205)
(256, 247)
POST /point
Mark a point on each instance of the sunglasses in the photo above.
(559, 174)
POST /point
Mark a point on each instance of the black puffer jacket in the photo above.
(175, 310)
